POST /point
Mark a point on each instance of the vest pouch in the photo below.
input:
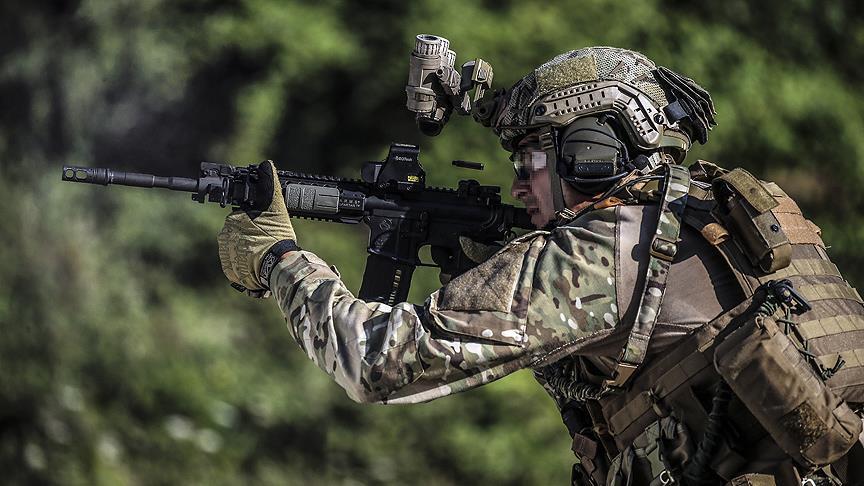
(779, 387)
(744, 208)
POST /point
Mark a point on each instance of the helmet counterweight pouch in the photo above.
(806, 419)
(744, 207)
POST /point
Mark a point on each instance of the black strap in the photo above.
(272, 257)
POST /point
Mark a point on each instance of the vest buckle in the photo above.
(664, 248)
(623, 372)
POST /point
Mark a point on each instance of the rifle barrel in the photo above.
(92, 175)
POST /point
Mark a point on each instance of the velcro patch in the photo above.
(804, 425)
(489, 286)
(566, 73)
(750, 189)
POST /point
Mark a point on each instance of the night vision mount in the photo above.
(435, 87)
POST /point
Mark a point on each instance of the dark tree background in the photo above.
(125, 358)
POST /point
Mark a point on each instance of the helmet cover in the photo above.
(643, 97)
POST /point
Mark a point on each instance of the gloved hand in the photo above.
(475, 251)
(249, 234)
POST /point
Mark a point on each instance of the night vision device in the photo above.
(435, 87)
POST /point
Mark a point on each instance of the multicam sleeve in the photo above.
(485, 324)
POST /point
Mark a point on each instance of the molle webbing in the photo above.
(798, 229)
(829, 291)
(668, 381)
(832, 333)
(807, 266)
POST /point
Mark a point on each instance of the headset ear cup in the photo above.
(590, 154)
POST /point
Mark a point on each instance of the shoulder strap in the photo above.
(664, 246)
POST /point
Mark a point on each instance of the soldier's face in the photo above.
(535, 192)
(533, 187)
(531, 184)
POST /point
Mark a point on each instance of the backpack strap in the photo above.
(664, 246)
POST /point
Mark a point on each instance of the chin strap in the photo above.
(547, 143)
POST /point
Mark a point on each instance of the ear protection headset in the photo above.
(590, 155)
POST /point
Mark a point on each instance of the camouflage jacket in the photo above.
(544, 296)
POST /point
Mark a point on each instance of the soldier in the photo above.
(688, 323)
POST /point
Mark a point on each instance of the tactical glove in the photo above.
(475, 251)
(252, 236)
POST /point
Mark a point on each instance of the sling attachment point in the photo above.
(785, 292)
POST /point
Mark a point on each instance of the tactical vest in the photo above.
(764, 393)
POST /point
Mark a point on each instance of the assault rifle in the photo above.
(391, 198)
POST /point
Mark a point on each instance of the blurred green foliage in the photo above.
(125, 358)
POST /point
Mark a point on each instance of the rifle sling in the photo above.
(663, 248)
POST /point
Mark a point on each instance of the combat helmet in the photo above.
(616, 102)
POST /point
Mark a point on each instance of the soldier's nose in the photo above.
(519, 188)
